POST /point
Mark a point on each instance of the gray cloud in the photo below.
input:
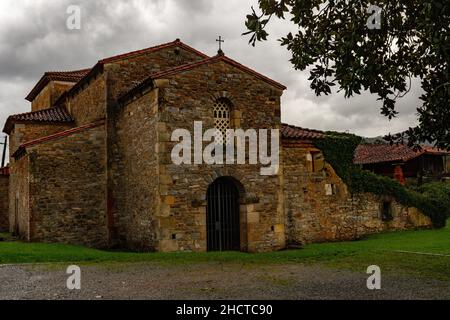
(196, 6)
(34, 39)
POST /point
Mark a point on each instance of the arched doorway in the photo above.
(222, 216)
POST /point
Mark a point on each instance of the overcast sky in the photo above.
(34, 39)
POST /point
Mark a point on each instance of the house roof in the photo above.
(298, 133)
(66, 76)
(22, 148)
(4, 171)
(55, 115)
(148, 82)
(98, 68)
(382, 153)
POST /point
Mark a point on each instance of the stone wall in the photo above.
(19, 209)
(188, 97)
(89, 104)
(136, 174)
(43, 100)
(132, 174)
(48, 96)
(124, 74)
(68, 189)
(58, 88)
(18, 191)
(23, 133)
(4, 203)
(86, 106)
(319, 207)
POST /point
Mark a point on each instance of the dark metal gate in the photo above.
(223, 222)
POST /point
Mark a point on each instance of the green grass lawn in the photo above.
(381, 250)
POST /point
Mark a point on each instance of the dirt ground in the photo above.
(208, 281)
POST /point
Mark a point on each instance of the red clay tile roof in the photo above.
(22, 149)
(293, 132)
(70, 76)
(380, 153)
(149, 80)
(67, 76)
(4, 171)
(54, 115)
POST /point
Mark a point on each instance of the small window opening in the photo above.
(222, 117)
(316, 163)
(386, 211)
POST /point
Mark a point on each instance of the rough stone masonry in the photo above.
(91, 163)
(4, 187)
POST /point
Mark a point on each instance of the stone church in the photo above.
(91, 163)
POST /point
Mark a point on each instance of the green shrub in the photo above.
(339, 149)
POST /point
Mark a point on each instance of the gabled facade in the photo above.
(95, 168)
(174, 100)
(51, 86)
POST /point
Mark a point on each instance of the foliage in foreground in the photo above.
(339, 150)
(360, 47)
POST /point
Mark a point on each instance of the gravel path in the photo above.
(208, 281)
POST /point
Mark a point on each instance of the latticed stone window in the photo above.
(222, 117)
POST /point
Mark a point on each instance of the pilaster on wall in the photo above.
(166, 224)
(165, 240)
(111, 156)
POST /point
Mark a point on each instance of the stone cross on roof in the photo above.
(220, 41)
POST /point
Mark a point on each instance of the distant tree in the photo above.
(359, 46)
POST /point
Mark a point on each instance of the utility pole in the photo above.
(4, 151)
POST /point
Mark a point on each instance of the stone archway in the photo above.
(223, 216)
